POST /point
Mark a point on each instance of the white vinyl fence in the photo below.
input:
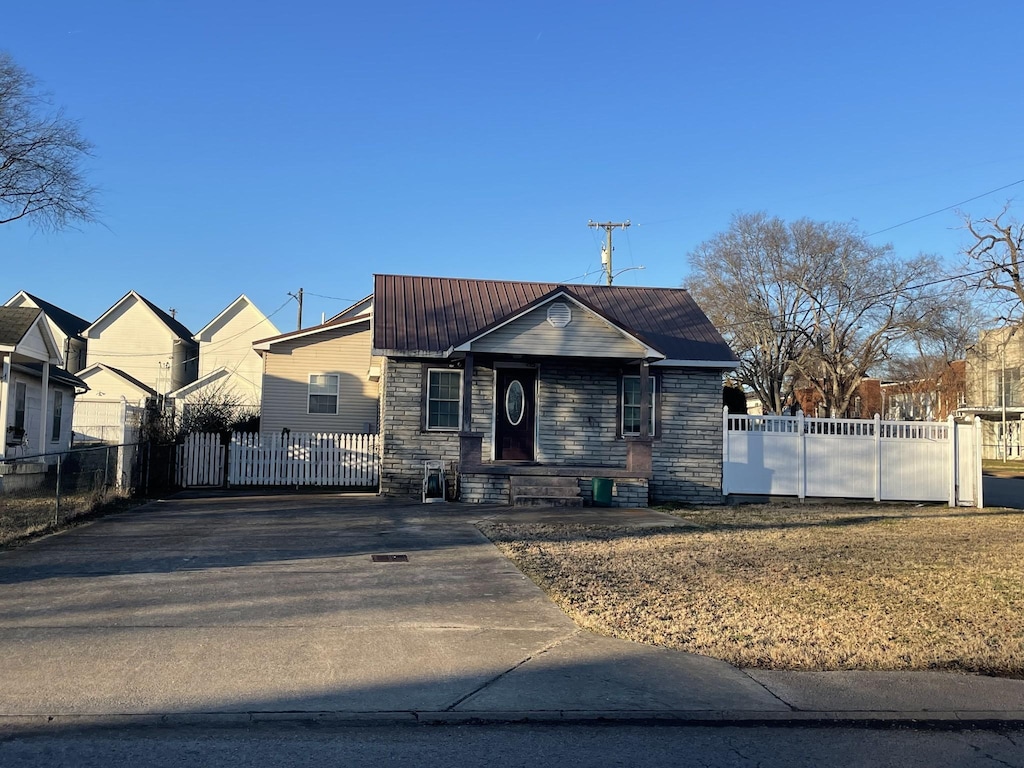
(288, 459)
(852, 458)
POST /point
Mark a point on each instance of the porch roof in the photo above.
(432, 315)
(25, 335)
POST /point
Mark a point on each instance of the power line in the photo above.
(947, 208)
(865, 297)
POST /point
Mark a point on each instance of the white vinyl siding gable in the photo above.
(228, 345)
(288, 366)
(586, 335)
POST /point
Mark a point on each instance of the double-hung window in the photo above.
(630, 413)
(323, 393)
(20, 397)
(58, 415)
(444, 399)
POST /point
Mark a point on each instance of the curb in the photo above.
(15, 724)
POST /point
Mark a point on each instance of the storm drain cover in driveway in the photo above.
(390, 558)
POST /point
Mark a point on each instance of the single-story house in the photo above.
(526, 390)
(36, 396)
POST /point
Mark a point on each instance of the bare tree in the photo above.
(809, 304)
(41, 150)
(997, 250)
(746, 280)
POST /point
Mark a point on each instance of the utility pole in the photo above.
(606, 252)
(298, 298)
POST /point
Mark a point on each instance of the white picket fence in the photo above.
(280, 459)
(852, 458)
(200, 461)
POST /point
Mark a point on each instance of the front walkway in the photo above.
(247, 607)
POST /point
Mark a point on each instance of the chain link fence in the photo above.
(41, 493)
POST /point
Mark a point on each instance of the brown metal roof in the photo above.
(434, 314)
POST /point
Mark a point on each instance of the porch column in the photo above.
(5, 375)
(43, 409)
(467, 393)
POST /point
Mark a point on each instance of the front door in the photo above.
(515, 413)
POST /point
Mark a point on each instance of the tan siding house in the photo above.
(320, 379)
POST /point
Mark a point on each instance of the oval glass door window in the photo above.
(514, 403)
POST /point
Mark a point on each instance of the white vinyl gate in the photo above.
(852, 458)
(349, 460)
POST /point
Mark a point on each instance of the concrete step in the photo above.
(547, 501)
(545, 491)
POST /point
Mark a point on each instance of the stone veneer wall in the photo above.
(406, 444)
(625, 493)
(578, 409)
(687, 458)
(485, 489)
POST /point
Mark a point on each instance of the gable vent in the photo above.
(559, 315)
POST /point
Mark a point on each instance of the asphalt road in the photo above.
(510, 746)
(1004, 492)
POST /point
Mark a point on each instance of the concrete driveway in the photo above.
(237, 605)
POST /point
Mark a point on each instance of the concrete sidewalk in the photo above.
(243, 608)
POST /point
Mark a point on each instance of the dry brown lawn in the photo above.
(24, 515)
(797, 586)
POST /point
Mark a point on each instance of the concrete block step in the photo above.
(543, 481)
(547, 501)
(547, 490)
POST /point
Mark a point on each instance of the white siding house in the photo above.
(139, 339)
(66, 328)
(36, 396)
(229, 368)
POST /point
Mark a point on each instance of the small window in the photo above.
(323, 393)
(631, 405)
(58, 415)
(20, 393)
(444, 399)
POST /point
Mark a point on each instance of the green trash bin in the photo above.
(602, 488)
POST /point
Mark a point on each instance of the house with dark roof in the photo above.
(36, 395)
(66, 328)
(528, 392)
(138, 339)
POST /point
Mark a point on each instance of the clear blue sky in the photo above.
(260, 147)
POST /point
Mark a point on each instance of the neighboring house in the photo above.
(66, 328)
(230, 370)
(865, 403)
(36, 396)
(926, 399)
(517, 386)
(321, 379)
(995, 390)
(147, 345)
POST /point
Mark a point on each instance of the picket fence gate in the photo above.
(349, 460)
(852, 458)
